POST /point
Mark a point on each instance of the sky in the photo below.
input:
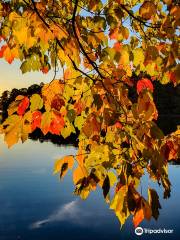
(11, 76)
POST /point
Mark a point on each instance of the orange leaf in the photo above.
(57, 124)
(138, 217)
(118, 46)
(147, 10)
(45, 69)
(79, 106)
(9, 54)
(91, 126)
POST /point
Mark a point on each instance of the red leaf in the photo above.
(118, 125)
(45, 69)
(24, 104)
(57, 102)
(144, 83)
(36, 120)
(57, 124)
(3, 48)
(118, 46)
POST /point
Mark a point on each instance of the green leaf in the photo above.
(71, 114)
(36, 102)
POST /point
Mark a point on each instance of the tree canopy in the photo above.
(104, 49)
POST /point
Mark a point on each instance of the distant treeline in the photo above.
(8, 97)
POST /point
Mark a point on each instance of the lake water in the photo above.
(35, 205)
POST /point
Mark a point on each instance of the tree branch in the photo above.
(92, 63)
(59, 43)
(139, 19)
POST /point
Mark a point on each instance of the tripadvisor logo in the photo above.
(139, 231)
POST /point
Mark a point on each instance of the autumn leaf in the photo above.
(36, 120)
(23, 106)
(118, 125)
(154, 202)
(146, 107)
(17, 127)
(62, 165)
(143, 210)
(57, 102)
(91, 126)
(36, 102)
(79, 106)
(45, 122)
(144, 84)
(79, 173)
(52, 122)
(119, 205)
(13, 107)
(138, 217)
(9, 54)
(13, 128)
(106, 186)
(50, 91)
(147, 10)
(56, 124)
(45, 69)
(3, 48)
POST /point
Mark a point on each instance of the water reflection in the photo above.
(72, 212)
(34, 205)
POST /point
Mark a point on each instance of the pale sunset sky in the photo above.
(11, 76)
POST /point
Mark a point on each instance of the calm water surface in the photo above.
(35, 205)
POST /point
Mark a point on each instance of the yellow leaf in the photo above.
(67, 130)
(13, 107)
(26, 126)
(58, 166)
(21, 34)
(68, 91)
(112, 178)
(13, 129)
(79, 122)
(124, 59)
(79, 173)
(138, 56)
(119, 205)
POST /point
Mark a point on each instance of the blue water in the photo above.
(35, 205)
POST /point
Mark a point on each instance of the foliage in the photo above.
(100, 46)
